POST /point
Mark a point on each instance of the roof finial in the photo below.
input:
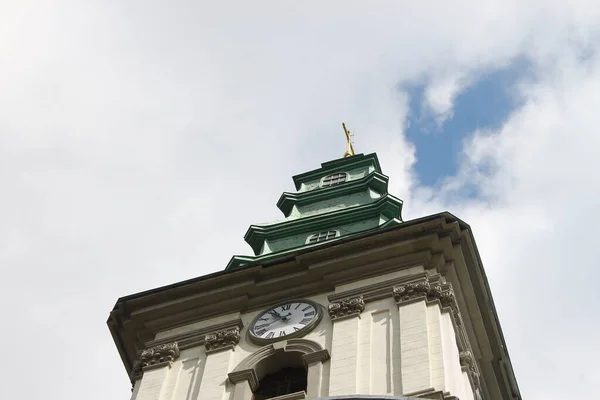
(349, 148)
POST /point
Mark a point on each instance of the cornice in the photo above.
(375, 180)
(387, 205)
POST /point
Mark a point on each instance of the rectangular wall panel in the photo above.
(435, 347)
(414, 347)
(187, 373)
(364, 353)
(381, 357)
(212, 385)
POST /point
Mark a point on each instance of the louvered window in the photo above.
(334, 179)
(321, 236)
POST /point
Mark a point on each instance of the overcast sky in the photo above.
(140, 139)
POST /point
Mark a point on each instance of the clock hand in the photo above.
(285, 317)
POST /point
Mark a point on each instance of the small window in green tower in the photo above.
(321, 236)
(334, 179)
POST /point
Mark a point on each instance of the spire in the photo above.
(349, 148)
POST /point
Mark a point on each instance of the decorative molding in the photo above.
(429, 289)
(383, 290)
(222, 340)
(246, 370)
(197, 337)
(318, 356)
(245, 375)
(291, 396)
(159, 356)
(412, 290)
(431, 394)
(310, 350)
(466, 359)
(346, 308)
(467, 362)
(136, 372)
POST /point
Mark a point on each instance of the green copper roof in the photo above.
(354, 202)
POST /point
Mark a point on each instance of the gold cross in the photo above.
(349, 147)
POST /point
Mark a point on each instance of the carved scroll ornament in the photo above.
(346, 308)
(222, 339)
(437, 291)
(159, 355)
(467, 361)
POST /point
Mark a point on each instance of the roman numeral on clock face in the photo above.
(286, 307)
(305, 321)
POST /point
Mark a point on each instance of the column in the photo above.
(344, 352)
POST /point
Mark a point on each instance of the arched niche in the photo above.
(271, 358)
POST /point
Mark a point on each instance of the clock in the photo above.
(292, 318)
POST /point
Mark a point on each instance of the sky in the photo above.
(140, 139)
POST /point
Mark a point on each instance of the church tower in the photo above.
(341, 299)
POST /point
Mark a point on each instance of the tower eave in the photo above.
(375, 180)
(338, 165)
(389, 206)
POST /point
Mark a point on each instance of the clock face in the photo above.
(293, 318)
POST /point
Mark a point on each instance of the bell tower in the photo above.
(340, 299)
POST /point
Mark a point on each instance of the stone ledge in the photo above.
(367, 397)
(197, 337)
(376, 291)
(292, 396)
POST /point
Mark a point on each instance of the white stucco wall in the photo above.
(387, 350)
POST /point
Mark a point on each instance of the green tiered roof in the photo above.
(356, 202)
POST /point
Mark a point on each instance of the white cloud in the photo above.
(439, 97)
(138, 141)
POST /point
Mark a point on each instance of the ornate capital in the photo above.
(411, 290)
(136, 371)
(221, 340)
(159, 356)
(467, 361)
(423, 288)
(346, 308)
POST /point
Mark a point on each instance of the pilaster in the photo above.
(219, 346)
(152, 368)
(344, 352)
(430, 327)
